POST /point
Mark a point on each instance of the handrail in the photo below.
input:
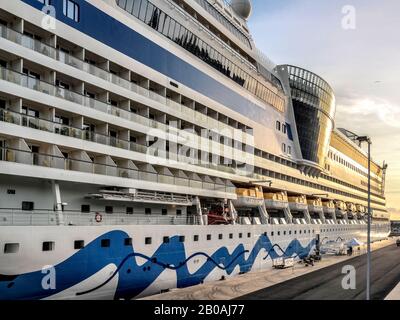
(75, 62)
(58, 162)
(77, 218)
(37, 123)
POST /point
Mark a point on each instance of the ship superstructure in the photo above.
(147, 145)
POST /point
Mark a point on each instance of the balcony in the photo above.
(57, 162)
(47, 88)
(169, 105)
(64, 130)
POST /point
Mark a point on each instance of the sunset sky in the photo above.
(362, 64)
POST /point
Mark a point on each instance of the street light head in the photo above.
(364, 139)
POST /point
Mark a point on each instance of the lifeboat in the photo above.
(316, 211)
(328, 207)
(248, 198)
(277, 205)
(341, 212)
(276, 200)
(361, 211)
(298, 203)
(351, 211)
(299, 209)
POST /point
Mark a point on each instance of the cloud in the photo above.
(374, 108)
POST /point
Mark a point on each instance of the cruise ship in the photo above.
(147, 145)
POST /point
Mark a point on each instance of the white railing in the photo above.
(38, 46)
(16, 217)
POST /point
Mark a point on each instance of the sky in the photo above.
(354, 45)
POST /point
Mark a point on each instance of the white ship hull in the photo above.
(127, 271)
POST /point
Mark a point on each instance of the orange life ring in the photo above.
(98, 217)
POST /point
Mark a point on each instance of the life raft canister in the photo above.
(98, 217)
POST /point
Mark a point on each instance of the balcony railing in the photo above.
(171, 106)
(17, 217)
(58, 162)
(65, 130)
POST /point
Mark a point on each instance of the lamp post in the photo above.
(368, 289)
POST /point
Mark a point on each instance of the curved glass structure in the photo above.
(314, 109)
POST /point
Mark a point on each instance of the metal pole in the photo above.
(369, 224)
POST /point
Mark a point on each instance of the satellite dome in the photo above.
(242, 7)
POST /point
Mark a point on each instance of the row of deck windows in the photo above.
(85, 208)
(106, 243)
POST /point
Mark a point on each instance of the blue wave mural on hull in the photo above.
(134, 278)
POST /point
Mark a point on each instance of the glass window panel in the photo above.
(143, 10)
(149, 13)
(161, 22)
(70, 9)
(136, 7)
(166, 25)
(171, 29)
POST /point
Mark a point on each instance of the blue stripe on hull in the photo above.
(134, 278)
(100, 26)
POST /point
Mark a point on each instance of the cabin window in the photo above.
(10, 191)
(166, 240)
(71, 10)
(85, 208)
(164, 212)
(181, 238)
(109, 209)
(147, 211)
(11, 247)
(79, 244)
(278, 125)
(195, 238)
(249, 235)
(129, 210)
(105, 243)
(231, 236)
(147, 240)
(178, 212)
(220, 236)
(208, 237)
(240, 235)
(28, 205)
(48, 246)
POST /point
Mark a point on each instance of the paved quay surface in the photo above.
(394, 294)
(326, 284)
(256, 285)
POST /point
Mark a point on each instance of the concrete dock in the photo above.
(257, 285)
